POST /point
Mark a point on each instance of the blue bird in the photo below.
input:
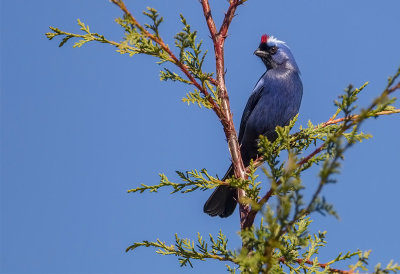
(274, 101)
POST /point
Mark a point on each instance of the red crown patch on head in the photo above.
(264, 38)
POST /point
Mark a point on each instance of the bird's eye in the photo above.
(273, 50)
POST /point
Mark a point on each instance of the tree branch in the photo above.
(355, 117)
(210, 21)
(302, 261)
(227, 120)
(233, 4)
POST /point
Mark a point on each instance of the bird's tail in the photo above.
(223, 200)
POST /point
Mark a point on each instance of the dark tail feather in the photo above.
(223, 200)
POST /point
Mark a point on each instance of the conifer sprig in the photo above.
(193, 180)
(188, 250)
(88, 37)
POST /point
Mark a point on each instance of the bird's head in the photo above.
(275, 54)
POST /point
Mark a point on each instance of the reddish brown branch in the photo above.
(355, 117)
(227, 121)
(210, 21)
(212, 81)
(175, 60)
(233, 4)
(392, 89)
(302, 261)
(312, 154)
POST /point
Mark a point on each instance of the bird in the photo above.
(274, 101)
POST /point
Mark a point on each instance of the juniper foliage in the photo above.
(281, 242)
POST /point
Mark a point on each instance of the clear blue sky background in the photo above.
(79, 127)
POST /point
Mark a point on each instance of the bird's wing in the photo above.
(251, 104)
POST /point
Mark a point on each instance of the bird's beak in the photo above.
(261, 53)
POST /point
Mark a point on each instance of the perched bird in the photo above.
(274, 101)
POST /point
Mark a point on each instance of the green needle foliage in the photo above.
(281, 242)
(188, 250)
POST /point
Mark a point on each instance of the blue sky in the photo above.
(79, 127)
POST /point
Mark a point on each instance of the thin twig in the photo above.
(392, 89)
(233, 4)
(312, 154)
(210, 21)
(355, 117)
(302, 261)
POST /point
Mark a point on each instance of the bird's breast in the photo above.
(278, 104)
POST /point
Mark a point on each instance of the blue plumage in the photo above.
(274, 101)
